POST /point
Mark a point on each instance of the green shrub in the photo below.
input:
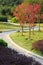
(3, 18)
(14, 20)
(3, 43)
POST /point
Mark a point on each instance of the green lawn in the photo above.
(6, 26)
(27, 44)
(41, 24)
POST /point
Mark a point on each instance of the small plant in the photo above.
(3, 43)
(14, 20)
(0, 31)
(38, 45)
(11, 57)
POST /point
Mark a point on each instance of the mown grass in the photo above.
(27, 43)
(7, 26)
(4, 26)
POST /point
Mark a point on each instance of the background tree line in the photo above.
(10, 2)
(8, 6)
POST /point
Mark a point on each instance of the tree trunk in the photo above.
(29, 32)
(22, 30)
(33, 31)
(39, 26)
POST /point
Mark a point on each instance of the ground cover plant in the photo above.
(11, 57)
(3, 43)
(26, 43)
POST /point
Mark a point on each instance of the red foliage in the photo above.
(38, 45)
(41, 16)
(27, 13)
(37, 8)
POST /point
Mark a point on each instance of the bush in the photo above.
(38, 45)
(3, 18)
(14, 20)
(11, 57)
(3, 43)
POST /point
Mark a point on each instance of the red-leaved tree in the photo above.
(37, 10)
(27, 13)
(20, 14)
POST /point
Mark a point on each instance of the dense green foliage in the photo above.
(34, 1)
(14, 20)
(3, 43)
(8, 6)
(10, 2)
(3, 18)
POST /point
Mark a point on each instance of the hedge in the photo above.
(3, 43)
(3, 18)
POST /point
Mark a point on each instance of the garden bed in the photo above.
(9, 56)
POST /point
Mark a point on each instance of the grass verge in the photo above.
(25, 43)
(7, 26)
